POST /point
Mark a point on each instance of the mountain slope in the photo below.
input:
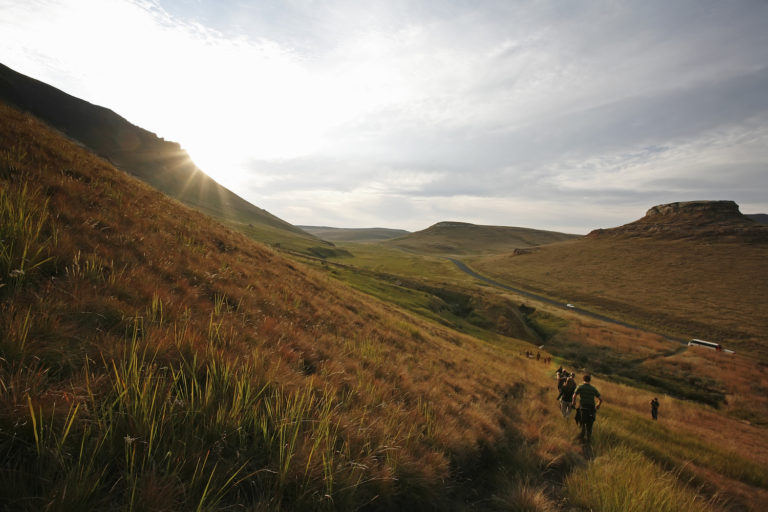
(199, 369)
(696, 270)
(162, 164)
(461, 238)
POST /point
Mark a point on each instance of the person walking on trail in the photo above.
(589, 403)
(566, 394)
(655, 408)
(562, 376)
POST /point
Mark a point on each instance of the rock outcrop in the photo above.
(709, 220)
(716, 210)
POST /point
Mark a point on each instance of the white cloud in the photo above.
(347, 112)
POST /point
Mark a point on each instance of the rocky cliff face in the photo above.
(717, 210)
(709, 220)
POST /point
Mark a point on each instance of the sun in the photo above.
(218, 163)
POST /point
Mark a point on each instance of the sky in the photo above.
(558, 115)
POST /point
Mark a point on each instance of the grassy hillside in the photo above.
(354, 234)
(462, 239)
(707, 288)
(153, 359)
(195, 366)
(162, 164)
(435, 288)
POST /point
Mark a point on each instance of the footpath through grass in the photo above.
(633, 462)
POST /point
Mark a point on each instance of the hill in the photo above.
(762, 218)
(160, 163)
(149, 355)
(354, 234)
(692, 269)
(461, 238)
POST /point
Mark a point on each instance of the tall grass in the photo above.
(676, 448)
(26, 237)
(623, 480)
(14, 332)
(201, 430)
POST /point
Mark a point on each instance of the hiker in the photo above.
(655, 408)
(562, 376)
(566, 394)
(585, 415)
(538, 356)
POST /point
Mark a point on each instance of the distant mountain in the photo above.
(762, 218)
(162, 164)
(354, 234)
(692, 219)
(461, 238)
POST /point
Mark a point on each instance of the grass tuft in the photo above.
(26, 237)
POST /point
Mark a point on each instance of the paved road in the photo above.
(464, 268)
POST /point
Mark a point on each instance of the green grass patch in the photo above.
(450, 307)
(388, 260)
(625, 480)
(325, 252)
(544, 324)
(675, 448)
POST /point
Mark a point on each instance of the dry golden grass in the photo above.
(705, 423)
(127, 259)
(692, 289)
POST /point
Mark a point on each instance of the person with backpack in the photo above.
(589, 403)
(655, 408)
(566, 393)
(562, 376)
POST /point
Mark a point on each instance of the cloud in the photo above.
(400, 111)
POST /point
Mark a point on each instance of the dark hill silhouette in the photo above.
(692, 219)
(762, 218)
(163, 164)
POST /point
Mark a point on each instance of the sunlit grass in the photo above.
(677, 448)
(709, 289)
(623, 480)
